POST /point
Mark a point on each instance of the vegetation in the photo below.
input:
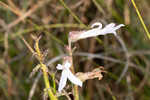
(33, 39)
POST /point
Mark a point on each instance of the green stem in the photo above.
(76, 18)
(47, 84)
(141, 19)
(76, 92)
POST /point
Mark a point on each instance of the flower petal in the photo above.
(63, 80)
(89, 33)
(97, 24)
(59, 67)
(67, 64)
(74, 79)
(110, 25)
(117, 27)
(110, 28)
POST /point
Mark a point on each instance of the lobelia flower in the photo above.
(67, 74)
(110, 28)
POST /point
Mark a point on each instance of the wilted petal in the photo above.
(59, 67)
(74, 79)
(63, 80)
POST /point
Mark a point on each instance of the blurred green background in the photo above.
(53, 20)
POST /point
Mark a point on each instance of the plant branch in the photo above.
(43, 67)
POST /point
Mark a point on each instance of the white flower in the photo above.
(66, 73)
(110, 28)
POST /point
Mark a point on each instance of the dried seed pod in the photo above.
(96, 73)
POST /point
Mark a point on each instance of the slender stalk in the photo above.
(76, 18)
(76, 92)
(47, 84)
(141, 19)
(75, 87)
